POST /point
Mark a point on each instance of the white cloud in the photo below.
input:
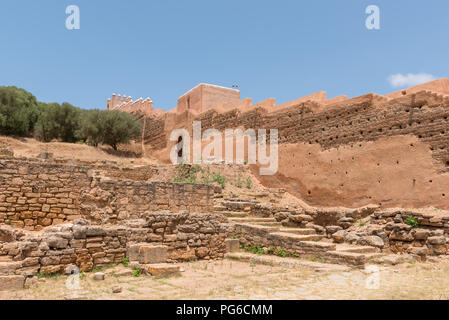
(409, 80)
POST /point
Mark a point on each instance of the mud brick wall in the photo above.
(37, 194)
(187, 236)
(365, 118)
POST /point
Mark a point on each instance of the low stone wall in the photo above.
(417, 232)
(412, 231)
(35, 194)
(187, 236)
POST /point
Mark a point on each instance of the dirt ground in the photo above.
(28, 147)
(227, 279)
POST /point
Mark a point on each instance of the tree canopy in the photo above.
(22, 115)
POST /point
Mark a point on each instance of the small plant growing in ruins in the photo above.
(362, 223)
(249, 183)
(239, 182)
(125, 261)
(187, 173)
(206, 176)
(218, 178)
(280, 253)
(234, 236)
(136, 272)
(256, 249)
(412, 221)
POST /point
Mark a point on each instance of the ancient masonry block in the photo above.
(153, 254)
(161, 269)
(133, 251)
(12, 282)
(232, 245)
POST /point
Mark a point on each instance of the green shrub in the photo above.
(136, 272)
(280, 253)
(218, 178)
(186, 173)
(412, 221)
(125, 261)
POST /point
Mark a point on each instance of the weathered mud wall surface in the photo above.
(368, 149)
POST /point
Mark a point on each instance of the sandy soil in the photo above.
(228, 279)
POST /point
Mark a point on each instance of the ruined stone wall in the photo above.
(187, 236)
(36, 194)
(112, 200)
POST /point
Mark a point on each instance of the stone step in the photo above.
(252, 219)
(356, 249)
(11, 282)
(350, 258)
(250, 227)
(9, 267)
(6, 259)
(239, 200)
(302, 237)
(219, 208)
(284, 262)
(272, 224)
(233, 214)
(317, 246)
(161, 270)
(304, 231)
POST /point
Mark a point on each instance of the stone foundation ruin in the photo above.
(369, 175)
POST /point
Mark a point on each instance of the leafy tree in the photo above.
(18, 111)
(69, 122)
(21, 114)
(90, 127)
(47, 126)
(118, 127)
(58, 122)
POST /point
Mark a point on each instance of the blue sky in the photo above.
(161, 49)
